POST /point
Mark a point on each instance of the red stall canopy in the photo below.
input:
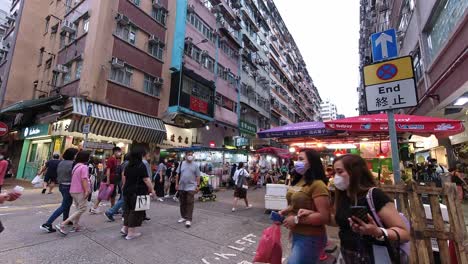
(420, 125)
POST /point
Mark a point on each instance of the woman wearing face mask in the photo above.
(308, 191)
(353, 180)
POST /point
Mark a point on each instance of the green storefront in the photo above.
(37, 149)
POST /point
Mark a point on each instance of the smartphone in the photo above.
(276, 217)
(360, 212)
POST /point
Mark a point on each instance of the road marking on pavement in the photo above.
(244, 243)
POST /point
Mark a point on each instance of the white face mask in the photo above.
(189, 158)
(341, 183)
(299, 166)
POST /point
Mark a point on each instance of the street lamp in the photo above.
(181, 69)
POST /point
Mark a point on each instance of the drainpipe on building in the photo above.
(239, 69)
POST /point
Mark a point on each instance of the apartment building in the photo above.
(91, 67)
(328, 110)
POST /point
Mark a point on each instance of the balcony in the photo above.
(251, 18)
(250, 43)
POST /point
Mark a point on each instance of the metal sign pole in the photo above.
(394, 146)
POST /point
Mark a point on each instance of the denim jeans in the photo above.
(117, 206)
(306, 249)
(64, 208)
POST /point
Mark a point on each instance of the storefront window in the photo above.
(443, 25)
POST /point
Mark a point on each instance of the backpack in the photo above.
(402, 249)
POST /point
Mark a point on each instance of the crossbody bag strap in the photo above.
(370, 202)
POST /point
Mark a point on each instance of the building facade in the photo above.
(328, 110)
(84, 68)
(235, 71)
(435, 34)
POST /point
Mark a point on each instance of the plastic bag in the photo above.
(269, 248)
(37, 181)
(105, 191)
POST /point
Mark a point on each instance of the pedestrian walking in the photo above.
(111, 168)
(241, 177)
(137, 182)
(3, 170)
(119, 204)
(353, 182)
(159, 179)
(80, 189)
(50, 169)
(189, 175)
(168, 180)
(308, 191)
(10, 197)
(64, 176)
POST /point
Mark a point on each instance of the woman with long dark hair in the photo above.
(64, 177)
(136, 181)
(308, 191)
(159, 179)
(353, 181)
(80, 189)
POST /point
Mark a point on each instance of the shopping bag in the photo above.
(37, 181)
(105, 191)
(142, 203)
(269, 248)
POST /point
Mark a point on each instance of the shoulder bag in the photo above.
(142, 201)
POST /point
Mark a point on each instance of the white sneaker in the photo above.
(188, 224)
(167, 196)
(175, 199)
(233, 209)
(181, 220)
(161, 199)
(250, 206)
(94, 211)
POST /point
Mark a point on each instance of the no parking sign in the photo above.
(390, 85)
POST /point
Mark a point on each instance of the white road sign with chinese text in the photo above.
(391, 95)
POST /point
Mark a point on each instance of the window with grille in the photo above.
(127, 33)
(150, 87)
(122, 75)
(156, 50)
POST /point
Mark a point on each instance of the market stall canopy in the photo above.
(113, 122)
(34, 105)
(297, 130)
(282, 153)
(419, 125)
(201, 148)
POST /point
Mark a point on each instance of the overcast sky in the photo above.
(327, 33)
(5, 5)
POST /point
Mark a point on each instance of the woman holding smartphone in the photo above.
(353, 180)
(308, 191)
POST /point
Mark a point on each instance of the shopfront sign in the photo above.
(247, 127)
(242, 141)
(3, 129)
(97, 145)
(177, 137)
(198, 105)
(35, 131)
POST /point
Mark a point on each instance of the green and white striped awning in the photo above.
(113, 122)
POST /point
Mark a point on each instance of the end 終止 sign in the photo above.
(390, 85)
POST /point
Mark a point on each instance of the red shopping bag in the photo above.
(269, 248)
(105, 191)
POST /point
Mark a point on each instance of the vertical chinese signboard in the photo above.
(390, 85)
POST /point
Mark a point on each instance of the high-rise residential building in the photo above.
(435, 35)
(236, 70)
(83, 70)
(328, 111)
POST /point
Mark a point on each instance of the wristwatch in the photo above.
(384, 234)
(296, 220)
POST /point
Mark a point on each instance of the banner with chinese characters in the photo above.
(198, 105)
(177, 137)
(247, 127)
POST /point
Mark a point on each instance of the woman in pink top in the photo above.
(79, 191)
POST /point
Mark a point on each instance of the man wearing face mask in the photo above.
(187, 183)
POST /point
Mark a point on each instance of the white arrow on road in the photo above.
(382, 41)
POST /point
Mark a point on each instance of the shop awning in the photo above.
(113, 122)
(32, 104)
(313, 129)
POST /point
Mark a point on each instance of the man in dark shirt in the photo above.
(50, 169)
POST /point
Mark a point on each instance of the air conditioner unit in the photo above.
(190, 9)
(204, 53)
(188, 40)
(236, 4)
(156, 4)
(153, 39)
(122, 19)
(118, 63)
(227, 70)
(61, 68)
(263, 43)
(158, 80)
(68, 26)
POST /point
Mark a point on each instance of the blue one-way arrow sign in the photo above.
(384, 45)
